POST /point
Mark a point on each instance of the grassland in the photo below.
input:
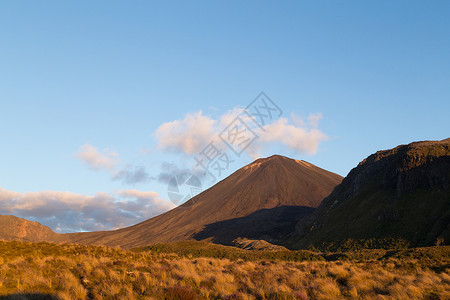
(193, 249)
(203, 271)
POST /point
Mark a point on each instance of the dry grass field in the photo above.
(50, 271)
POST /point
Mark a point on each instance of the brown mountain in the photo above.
(401, 193)
(14, 228)
(262, 200)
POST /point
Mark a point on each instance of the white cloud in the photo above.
(193, 133)
(230, 115)
(189, 135)
(68, 212)
(96, 160)
(301, 139)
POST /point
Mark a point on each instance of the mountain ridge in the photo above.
(402, 193)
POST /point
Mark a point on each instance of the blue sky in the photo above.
(105, 76)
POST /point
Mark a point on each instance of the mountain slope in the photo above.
(256, 201)
(14, 228)
(403, 193)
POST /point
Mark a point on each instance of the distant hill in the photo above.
(263, 200)
(14, 228)
(260, 245)
(401, 193)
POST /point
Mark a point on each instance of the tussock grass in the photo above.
(95, 272)
(204, 249)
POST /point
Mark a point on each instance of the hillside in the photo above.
(14, 228)
(402, 193)
(262, 200)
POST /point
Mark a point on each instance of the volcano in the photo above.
(263, 200)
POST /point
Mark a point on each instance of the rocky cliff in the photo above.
(402, 193)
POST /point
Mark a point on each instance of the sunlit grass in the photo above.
(95, 272)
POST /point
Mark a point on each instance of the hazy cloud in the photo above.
(132, 175)
(109, 161)
(68, 212)
(96, 160)
(169, 170)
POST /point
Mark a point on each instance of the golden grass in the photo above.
(92, 272)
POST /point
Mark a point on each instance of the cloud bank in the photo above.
(70, 212)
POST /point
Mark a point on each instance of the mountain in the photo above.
(262, 200)
(401, 193)
(14, 228)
